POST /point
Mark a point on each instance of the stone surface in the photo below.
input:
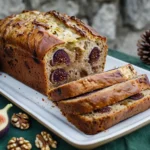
(136, 13)
(105, 20)
(8, 7)
(88, 9)
(36, 3)
(127, 43)
(65, 6)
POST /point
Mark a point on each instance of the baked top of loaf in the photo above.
(92, 82)
(45, 50)
(101, 98)
(39, 32)
(106, 117)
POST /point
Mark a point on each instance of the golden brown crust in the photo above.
(41, 47)
(86, 27)
(33, 40)
(93, 126)
(105, 97)
(90, 83)
(78, 26)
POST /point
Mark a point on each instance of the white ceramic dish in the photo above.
(43, 110)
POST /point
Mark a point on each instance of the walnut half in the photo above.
(44, 141)
(20, 120)
(19, 144)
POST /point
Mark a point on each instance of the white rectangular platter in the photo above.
(43, 110)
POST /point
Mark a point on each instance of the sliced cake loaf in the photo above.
(101, 98)
(104, 118)
(45, 50)
(92, 82)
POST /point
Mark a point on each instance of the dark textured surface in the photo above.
(138, 140)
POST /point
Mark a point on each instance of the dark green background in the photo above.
(138, 140)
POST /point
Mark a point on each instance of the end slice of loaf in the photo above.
(92, 82)
(105, 118)
(101, 98)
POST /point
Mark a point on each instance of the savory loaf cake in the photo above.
(45, 50)
(92, 82)
(101, 98)
(106, 117)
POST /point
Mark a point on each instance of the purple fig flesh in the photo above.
(4, 131)
(4, 120)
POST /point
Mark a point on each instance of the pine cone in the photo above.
(144, 47)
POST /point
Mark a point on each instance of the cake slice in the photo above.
(92, 82)
(106, 117)
(101, 98)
